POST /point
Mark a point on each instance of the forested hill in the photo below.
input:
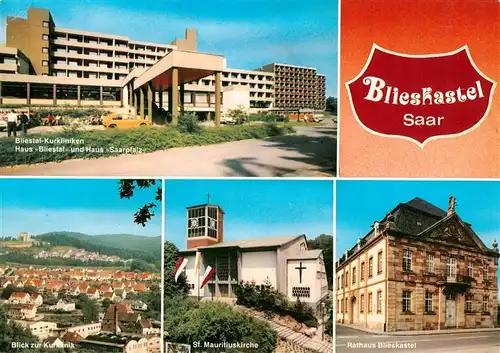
(125, 246)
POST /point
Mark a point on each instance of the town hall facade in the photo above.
(284, 262)
(419, 268)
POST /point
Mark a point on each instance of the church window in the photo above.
(470, 269)
(430, 263)
(406, 301)
(353, 275)
(485, 273)
(379, 301)
(407, 260)
(468, 302)
(428, 302)
(485, 303)
(362, 274)
(370, 302)
(370, 267)
(362, 304)
(379, 262)
(302, 292)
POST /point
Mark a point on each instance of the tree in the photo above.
(218, 322)
(331, 105)
(172, 288)
(6, 293)
(140, 266)
(325, 242)
(12, 332)
(106, 303)
(127, 189)
(90, 311)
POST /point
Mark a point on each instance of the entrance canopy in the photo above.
(191, 66)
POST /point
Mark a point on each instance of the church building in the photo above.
(419, 268)
(284, 262)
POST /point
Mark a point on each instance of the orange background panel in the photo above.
(419, 27)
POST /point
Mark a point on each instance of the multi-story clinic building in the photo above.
(42, 64)
(419, 268)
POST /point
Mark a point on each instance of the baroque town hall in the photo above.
(420, 268)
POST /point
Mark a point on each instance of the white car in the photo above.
(3, 118)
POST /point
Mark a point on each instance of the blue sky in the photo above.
(90, 206)
(360, 203)
(249, 33)
(254, 208)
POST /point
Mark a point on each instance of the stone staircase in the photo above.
(295, 337)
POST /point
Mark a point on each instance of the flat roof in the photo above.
(196, 63)
(252, 72)
(92, 34)
(251, 243)
(74, 81)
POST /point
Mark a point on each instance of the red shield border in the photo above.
(421, 145)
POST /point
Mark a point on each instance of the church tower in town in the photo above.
(205, 225)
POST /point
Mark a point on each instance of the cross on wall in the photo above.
(300, 268)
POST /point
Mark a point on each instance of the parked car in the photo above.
(119, 120)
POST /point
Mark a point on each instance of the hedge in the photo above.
(105, 143)
(267, 117)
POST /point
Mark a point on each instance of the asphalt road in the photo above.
(352, 341)
(308, 152)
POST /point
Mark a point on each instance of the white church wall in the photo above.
(283, 254)
(310, 282)
(258, 266)
(191, 277)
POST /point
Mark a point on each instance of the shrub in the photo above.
(238, 115)
(303, 313)
(268, 118)
(145, 139)
(216, 322)
(265, 298)
(188, 122)
(329, 324)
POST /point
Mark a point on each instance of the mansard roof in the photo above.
(419, 218)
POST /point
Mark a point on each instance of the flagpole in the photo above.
(198, 275)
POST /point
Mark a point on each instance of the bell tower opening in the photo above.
(205, 225)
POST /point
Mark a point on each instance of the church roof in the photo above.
(306, 255)
(254, 243)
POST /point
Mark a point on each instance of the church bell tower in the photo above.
(205, 225)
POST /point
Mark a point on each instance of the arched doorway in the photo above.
(353, 310)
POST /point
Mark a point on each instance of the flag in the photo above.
(181, 264)
(209, 272)
(197, 262)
